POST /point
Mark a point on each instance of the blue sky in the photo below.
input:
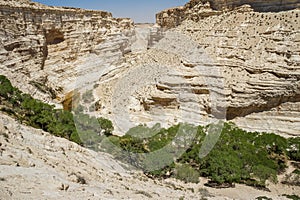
(138, 10)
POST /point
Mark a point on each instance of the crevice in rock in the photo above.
(45, 54)
(233, 112)
(12, 46)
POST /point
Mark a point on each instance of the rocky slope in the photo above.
(36, 165)
(239, 65)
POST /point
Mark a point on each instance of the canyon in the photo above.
(237, 64)
(236, 61)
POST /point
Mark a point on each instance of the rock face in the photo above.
(194, 9)
(259, 54)
(199, 9)
(41, 46)
(242, 65)
(257, 5)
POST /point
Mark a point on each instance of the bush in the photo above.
(263, 198)
(186, 173)
(293, 197)
(106, 125)
(6, 89)
(294, 148)
(238, 156)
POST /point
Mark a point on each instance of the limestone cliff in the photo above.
(258, 53)
(240, 65)
(199, 9)
(257, 5)
(41, 46)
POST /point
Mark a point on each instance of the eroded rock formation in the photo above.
(258, 53)
(257, 5)
(199, 9)
(41, 47)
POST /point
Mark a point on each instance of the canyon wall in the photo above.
(199, 9)
(258, 54)
(257, 5)
(43, 48)
(260, 58)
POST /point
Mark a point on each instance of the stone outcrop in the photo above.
(194, 10)
(259, 53)
(199, 9)
(41, 46)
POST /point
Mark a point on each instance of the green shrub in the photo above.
(106, 125)
(293, 197)
(6, 89)
(186, 173)
(263, 198)
(294, 148)
(55, 121)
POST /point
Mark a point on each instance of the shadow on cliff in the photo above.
(271, 102)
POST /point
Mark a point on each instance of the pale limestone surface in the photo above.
(200, 9)
(43, 49)
(259, 54)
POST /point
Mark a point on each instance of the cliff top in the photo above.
(38, 6)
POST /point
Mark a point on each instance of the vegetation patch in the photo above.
(250, 158)
(263, 198)
(293, 197)
(58, 122)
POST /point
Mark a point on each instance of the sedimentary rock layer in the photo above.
(259, 55)
(41, 46)
(257, 5)
(199, 9)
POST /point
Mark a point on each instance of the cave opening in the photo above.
(54, 36)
